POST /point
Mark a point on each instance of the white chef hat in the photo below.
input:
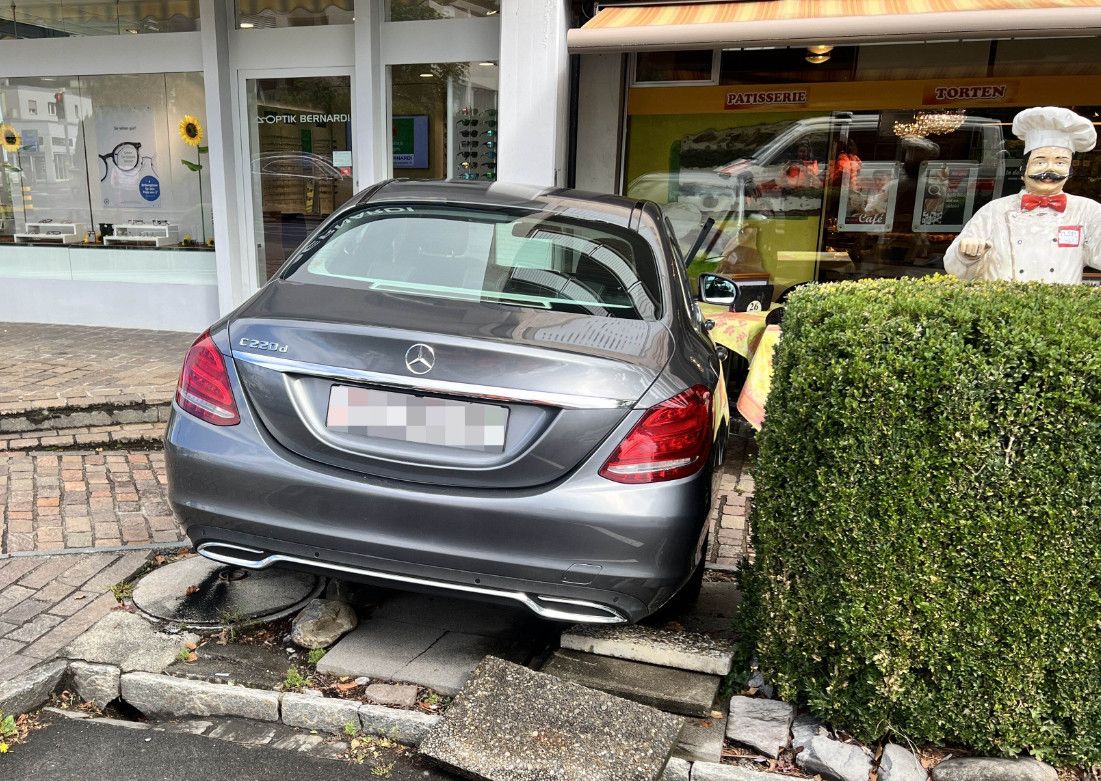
(1054, 126)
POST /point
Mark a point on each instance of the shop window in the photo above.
(787, 65)
(262, 14)
(427, 10)
(675, 66)
(444, 120)
(118, 165)
(63, 18)
(301, 150)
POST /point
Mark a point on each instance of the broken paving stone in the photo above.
(682, 650)
(396, 695)
(833, 759)
(675, 691)
(322, 622)
(512, 724)
(900, 764)
(676, 770)
(993, 769)
(760, 724)
(97, 683)
(701, 740)
(28, 690)
(129, 642)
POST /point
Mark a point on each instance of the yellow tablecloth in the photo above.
(747, 334)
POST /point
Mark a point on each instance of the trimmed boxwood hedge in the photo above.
(927, 517)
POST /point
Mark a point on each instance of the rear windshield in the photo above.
(533, 260)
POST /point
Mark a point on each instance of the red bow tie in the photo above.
(1057, 202)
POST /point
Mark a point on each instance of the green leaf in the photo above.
(192, 166)
(203, 149)
(10, 167)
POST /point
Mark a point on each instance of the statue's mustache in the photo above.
(1048, 176)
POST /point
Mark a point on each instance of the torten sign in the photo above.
(780, 97)
(952, 93)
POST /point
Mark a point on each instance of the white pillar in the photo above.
(225, 179)
(599, 122)
(371, 136)
(534, 97)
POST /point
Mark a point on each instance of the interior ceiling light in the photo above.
(487, 64)
(820, 49)
(817, 59)
(926, 123)
(247, 25)
(426, 75)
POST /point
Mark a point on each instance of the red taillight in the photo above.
(204, 389)
(671, 441)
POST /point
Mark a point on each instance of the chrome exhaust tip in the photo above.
(577, 611)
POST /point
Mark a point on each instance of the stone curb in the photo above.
(165, 696)
(72, 416)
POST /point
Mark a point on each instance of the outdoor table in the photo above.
(748, 335)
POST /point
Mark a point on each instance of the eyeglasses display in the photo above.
(476, 152)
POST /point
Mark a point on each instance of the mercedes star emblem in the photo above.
(420, 358)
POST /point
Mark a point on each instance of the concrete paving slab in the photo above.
(202, 593)
(676, 691)
(683, 650)
(130, 642)
(413, 638)
(379, 648)
(446, 666)
(701, 740)
(512, 724)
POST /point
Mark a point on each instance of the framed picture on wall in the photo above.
(945, 195)
(868, 197)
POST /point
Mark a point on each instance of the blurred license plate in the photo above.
(367, 412)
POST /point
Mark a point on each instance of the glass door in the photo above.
(300, 158)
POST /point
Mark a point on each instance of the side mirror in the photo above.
(717, 289)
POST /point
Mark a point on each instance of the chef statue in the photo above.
(1041, 234)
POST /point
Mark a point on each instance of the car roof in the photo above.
(579, 204)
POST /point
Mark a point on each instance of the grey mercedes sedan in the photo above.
(493, 390)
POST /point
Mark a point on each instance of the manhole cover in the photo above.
(199, 592)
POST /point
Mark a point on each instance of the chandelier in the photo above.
(931, 123)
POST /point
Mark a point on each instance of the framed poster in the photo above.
(868, 197)
(945, 195)
(127, 142)
(410, 141)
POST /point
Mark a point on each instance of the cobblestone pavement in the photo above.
(54, 501)
(46, 366)
(730, 532)
(46, 602)
(122, 433)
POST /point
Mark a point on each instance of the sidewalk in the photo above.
(82, 483)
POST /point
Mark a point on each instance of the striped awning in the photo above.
(700, 25)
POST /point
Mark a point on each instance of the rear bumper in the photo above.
(625, 549)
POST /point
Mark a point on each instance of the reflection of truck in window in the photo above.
(788, 187)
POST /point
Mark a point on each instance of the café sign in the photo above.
(956, 93)
(756, 98)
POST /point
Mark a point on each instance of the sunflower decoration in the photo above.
(10, 139)
(191, 133)
(191, 130)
